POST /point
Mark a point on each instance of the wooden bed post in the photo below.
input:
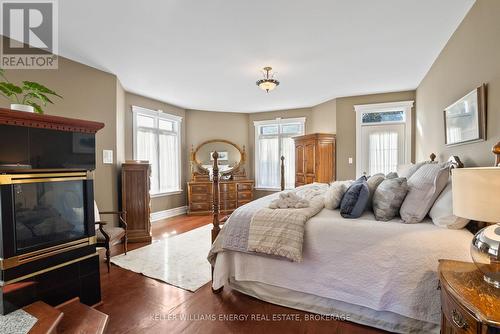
(282, 173)
(215, 197)
(496, 152)
(215, 206)
(433, 157)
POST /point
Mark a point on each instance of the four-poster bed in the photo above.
(341, 268)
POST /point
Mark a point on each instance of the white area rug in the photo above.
(180, 260)
(17, 322)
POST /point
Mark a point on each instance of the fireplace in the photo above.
(44, 215)
(47, 233)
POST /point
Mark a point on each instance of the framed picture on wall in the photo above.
(465, 120)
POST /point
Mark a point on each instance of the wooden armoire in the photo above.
(136, 199)
(314, 158)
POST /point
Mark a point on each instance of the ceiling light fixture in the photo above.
(268, 83)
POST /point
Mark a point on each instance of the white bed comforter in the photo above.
(385, 266)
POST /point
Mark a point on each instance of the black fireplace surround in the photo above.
(47, 233)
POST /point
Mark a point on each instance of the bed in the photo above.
(380, 274)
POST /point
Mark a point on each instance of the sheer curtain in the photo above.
(147, 150)
(288, 151)
(268, 162)
(383, 152)
(168, 162)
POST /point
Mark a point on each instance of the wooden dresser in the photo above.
(136, 200)
(233, 194)
(468, 303)
(314, 158)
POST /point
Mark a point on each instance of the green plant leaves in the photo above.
(38, 88)
(11, 88)
(31, 93)
(37, 107)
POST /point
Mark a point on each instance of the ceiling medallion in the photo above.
(268, 83)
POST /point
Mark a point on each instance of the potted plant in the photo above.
(29, 97)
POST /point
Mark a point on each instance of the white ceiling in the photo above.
(208, 54)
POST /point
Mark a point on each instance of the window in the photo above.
(273, 139)
(157, 140)
(383, 137)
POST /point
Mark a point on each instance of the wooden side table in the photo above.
(468, 303)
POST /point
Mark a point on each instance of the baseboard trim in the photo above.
(159, 215)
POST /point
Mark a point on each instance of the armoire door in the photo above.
(299, 165)
(310, 161)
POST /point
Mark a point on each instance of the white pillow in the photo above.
(442, 211)
(424, 186)
(334, 194)
(409, 169)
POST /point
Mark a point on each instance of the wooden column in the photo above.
(215, 206)
(282, 173)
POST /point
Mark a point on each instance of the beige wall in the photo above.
(87, 94)
(470, 58)
(163, 202)
(346, 127)
(324, 117)
(208, 125)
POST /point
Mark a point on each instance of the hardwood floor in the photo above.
(138, 304)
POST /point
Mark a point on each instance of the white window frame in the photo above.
(360, 109)
(277, 121)
(160, 115)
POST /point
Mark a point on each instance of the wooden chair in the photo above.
(108, 235)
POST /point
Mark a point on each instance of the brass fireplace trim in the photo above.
(44, 177)
(4, 283)
(15, 261)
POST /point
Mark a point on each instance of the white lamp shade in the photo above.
(476, 193)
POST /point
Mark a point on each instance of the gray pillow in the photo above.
(334, 194)
(354, 201)
(424, 186)
(388, 198)
(392, 175)
(373, 183)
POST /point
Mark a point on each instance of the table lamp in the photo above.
(476, 196)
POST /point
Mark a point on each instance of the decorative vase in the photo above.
(22, 107)
(485, 253)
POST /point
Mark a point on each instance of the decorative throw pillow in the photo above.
(409, 169)
(388, 198)
(334, 194)
(424, 186)
(392, 175)
(354, 201)
(442, 211)
(373, 182)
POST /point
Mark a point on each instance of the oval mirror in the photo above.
(230, 156)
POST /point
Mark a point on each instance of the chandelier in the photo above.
(268, 83)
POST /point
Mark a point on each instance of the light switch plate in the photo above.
(350, 161)
(107, 157)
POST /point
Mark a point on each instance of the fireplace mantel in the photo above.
(32, 120)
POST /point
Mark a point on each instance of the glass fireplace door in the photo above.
(48, 213)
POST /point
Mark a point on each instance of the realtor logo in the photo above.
(29, 34)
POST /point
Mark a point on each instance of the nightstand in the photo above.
(468, 303)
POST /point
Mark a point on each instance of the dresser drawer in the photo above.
(460, 319)
(244, 186)
(243, 202)
(228, 196)
(201, 188)
(227, 187)
(228, 205)
(299, 178)
(201, 198)
(200, 207)
(244, 195)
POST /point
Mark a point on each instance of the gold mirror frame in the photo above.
(233, 170)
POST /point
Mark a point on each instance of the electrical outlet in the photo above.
(107, 157)
(350, 161)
